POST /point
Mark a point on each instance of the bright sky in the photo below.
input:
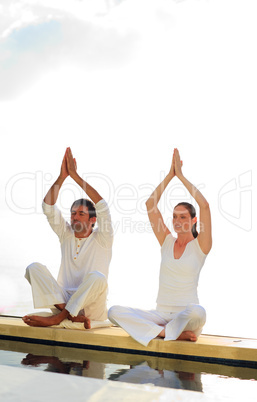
(123, 83)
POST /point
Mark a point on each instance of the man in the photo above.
(81, 288)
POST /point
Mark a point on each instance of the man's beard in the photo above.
(78, 227)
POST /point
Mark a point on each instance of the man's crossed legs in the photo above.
(87, 303)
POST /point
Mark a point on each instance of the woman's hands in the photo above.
(159, 228)
(204, 237)
(176, 165)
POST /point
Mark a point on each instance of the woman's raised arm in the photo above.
(204, 237)
(159, 228)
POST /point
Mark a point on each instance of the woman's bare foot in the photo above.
(187, 336)
(184, 336)
(162, 333)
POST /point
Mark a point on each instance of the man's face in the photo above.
(80, 221)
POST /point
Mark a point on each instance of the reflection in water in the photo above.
(143, 374)
(82, 368)
(136, 374)
(209, 378)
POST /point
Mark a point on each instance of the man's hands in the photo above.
(64, 170)
(69, 165)
(69, 168)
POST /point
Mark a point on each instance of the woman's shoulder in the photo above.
(168, 241)
(195, 244)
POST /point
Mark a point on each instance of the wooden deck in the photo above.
(217, 350)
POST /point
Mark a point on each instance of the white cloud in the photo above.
(40, 39)
(15, 14)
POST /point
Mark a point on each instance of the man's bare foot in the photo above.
(38, 321)
(60, 306)
(187, 336)
(81, 318)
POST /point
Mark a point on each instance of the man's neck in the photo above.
(83, 235)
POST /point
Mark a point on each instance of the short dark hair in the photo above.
(86, 203)
(192, 212)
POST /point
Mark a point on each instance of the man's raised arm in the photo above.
(72, 171)
(52, 195)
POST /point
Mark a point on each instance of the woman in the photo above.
(178, 314)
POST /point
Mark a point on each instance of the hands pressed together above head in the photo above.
(69, 165)
(176, 164)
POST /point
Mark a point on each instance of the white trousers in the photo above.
(90, 295)
(145, 325)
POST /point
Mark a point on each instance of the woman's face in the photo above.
(182, 221)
